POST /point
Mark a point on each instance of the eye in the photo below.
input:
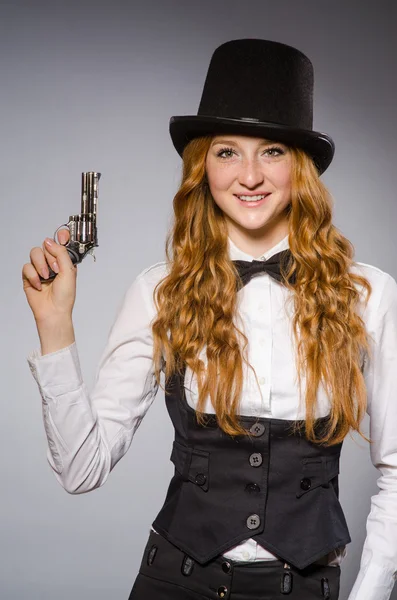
(223, 150)
(273, 150)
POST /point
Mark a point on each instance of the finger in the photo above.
(57, 252)
(39, 262)
(45, 259)
(30, 276)
(50, 260)
(63, 236)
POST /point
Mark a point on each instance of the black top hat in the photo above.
(260, 88)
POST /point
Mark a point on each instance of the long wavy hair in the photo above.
(196, 302)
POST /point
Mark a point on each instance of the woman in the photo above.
(260, 294)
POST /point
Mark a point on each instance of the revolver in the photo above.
(82, 227)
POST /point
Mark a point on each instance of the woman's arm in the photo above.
(88, 433)
(378, 568)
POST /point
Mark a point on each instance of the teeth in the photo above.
(251, 198)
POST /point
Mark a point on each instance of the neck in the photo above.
(256, 243)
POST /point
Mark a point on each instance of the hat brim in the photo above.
(318, 145)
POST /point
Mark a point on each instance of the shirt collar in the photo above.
(236, 254)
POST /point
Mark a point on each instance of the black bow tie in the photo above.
(246, 269)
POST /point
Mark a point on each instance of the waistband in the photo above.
(220, 577)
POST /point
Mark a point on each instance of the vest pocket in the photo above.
(191, 464)
(316, 472)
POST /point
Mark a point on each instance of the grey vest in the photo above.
(276, 488)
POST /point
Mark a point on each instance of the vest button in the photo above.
(222, 591)
(257, 429)
(253, 521)
(252, 487)
(226, 566)
(256, 459)
(200, 479)
(306, 483)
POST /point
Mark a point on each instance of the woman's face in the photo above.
(240, 165)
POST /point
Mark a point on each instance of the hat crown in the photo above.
(255, 79)
(257, 88)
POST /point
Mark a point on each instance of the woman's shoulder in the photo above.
(384, 285)
(153, 273)
(139, 290)
(375, 275)
(150, 276)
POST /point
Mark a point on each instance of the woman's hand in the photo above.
(54, 299)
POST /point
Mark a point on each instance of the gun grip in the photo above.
(73, 258)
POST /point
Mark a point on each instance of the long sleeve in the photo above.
(88, 434)
(378, 567)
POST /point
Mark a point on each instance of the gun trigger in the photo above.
(91, 251)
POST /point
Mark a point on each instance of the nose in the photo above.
(251, 173)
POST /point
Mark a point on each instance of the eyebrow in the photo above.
(224, 141)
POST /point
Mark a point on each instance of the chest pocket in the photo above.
(192, 464)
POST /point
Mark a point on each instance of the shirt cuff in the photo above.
(57, 372)
(373, 582)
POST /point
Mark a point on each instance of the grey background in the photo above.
(91, 86)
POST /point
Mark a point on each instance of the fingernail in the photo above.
(55, 266)
(48, 242)
(45, 273)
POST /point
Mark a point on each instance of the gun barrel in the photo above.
(89, 192)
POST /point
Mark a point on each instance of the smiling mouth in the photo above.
(252, 197)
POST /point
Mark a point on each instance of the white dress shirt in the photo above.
(88, 433)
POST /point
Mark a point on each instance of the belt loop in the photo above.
(187, 565)
(325, 588)
(286, 579)
(152, 554)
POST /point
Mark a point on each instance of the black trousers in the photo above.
(168, 573)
